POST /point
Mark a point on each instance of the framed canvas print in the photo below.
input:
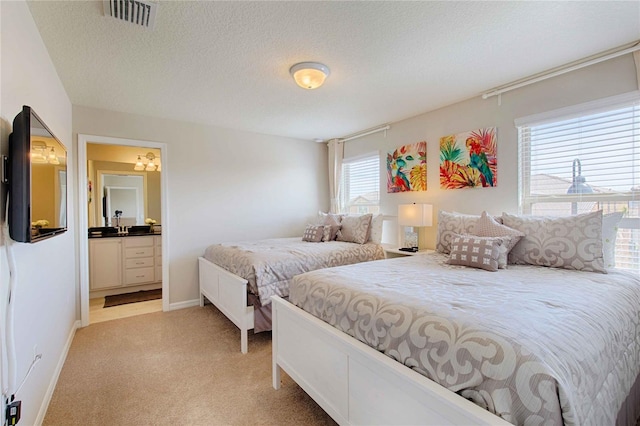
(407, 168)
(469, 159)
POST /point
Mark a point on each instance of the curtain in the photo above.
(636, 58)
(336, 154)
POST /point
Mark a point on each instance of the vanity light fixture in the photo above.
(139, 165)
(150, 166)
(309, 75)
(41, 153)
(53, 158)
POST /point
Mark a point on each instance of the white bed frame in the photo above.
(356, 384)
(228, 292)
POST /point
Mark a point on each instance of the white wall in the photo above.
(598, 81)
(46, 288)
(224, 185)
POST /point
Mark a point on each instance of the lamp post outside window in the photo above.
(578, 184)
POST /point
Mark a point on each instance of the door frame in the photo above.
(83, 219)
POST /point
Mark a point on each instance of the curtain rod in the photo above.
(601, 57)
(365, 132)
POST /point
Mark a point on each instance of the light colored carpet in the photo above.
(180, 367)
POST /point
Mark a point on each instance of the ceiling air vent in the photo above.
(137, 12)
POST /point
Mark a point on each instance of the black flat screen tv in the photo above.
(37, 180)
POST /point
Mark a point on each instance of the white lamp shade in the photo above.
(415, 214)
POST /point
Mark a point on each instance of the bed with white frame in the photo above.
(224, 280)
(356, 384)
(336, 342)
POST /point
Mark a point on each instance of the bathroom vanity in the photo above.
(123, 263)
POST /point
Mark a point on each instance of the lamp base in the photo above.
(409, 249)
(410, 238)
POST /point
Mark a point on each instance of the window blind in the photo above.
(360, 186)
(586, 163)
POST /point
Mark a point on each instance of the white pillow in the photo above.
(609, 233)
(375, 235)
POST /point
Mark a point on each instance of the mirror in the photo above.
(111, 182)
(124, 201)
(49, 184)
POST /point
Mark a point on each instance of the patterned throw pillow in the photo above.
(355, 229)
(313, 233)
(476, 252)
(487, 226)
(573, 242)
(332, 220)
(450, 223)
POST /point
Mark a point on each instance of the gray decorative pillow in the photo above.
(609, 234)
(332, 220)
(450, 223)
(503, 251)
(313, 233)
(355, 229)
(476, 252)
(572, 242)
(330, 232)
(487, 226)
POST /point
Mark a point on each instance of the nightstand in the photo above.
(391, 252)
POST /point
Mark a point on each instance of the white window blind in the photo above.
(584, 163)
(360, 186)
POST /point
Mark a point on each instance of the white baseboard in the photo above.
(56, 374)
(185, 304)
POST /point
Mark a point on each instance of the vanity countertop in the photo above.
(112, 232)
(124, 234)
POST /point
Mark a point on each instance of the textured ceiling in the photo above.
(227, 63)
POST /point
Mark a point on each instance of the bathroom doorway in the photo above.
(121, 251)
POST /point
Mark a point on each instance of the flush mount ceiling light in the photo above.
(309, 75)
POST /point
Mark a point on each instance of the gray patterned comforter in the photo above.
(270, 264)
(534, 345)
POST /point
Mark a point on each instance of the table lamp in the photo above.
(413, 216)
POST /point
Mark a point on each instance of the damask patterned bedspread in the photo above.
(270, 264)
(534, 345)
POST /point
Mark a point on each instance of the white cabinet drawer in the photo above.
(141, 262)
(131, 253)
(138, 241)
(139, 275)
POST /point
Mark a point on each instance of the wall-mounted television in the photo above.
(37, 167)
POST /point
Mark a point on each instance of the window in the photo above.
(582, 161)
(360, 185)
